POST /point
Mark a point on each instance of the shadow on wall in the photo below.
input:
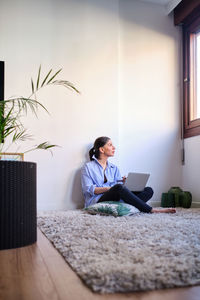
(76, 194)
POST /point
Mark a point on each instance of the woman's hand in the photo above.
(101, 190)
(124, 179)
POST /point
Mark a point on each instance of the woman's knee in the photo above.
(117, 187)
(149, 191)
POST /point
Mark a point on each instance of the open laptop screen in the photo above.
(136, 181)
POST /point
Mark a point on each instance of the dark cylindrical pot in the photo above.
(17, 204)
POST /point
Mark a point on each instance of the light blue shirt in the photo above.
(92, 176)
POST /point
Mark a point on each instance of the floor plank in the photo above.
(39, 272)
(23, 275)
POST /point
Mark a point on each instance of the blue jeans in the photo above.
(137, 199)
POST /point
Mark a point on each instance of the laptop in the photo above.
(136, 181)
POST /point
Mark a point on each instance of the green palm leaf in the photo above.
(43, 146)
(38, 79)
(54, 76)
(32, 86)
(66, 84)
(13, 109)
(22, 136)
(45, 79)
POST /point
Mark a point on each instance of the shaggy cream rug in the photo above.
(123, 254)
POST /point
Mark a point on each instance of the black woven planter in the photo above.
(17, 204)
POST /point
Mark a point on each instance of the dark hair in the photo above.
(99, 142)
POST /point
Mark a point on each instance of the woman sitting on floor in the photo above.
(100, 181)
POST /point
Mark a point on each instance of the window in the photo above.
(191, 76)
(198, 76)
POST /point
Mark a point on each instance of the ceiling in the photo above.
(169, 4)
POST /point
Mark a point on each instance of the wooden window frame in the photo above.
(191, 127)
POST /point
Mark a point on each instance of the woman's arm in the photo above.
(101, 190)
(88, 185)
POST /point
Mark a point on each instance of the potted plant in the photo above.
(18, 178)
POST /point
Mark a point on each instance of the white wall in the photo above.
(191, 168)
(82, 38)
(123, 56)
(149, 94)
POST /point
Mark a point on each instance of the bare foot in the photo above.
(170, 210)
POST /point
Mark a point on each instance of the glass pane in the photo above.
(193, 76)
(198, 75)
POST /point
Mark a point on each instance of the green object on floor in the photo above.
(176, 191)
(175, 197)
(186, 199)
(168, 200)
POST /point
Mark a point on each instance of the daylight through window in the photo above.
(191, 57)
(198, 75)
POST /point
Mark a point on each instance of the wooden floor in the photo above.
(38, 272)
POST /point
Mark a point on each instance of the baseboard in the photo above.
(195, 205)
(158, 204)
(155, 203)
